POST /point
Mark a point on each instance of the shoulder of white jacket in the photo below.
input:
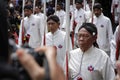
(105, 17)
(74, 50)
(101, 52)
(63, 32)
(48, 34)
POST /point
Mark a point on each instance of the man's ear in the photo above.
(58, 23)
(94, 37)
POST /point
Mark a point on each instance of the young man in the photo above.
(104, 28)
(56, 38)
(61, 14)
(79, 17)
(32, 26)
(43, 17)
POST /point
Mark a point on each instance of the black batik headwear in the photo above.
(91, 28)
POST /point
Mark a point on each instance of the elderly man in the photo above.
(89, 62)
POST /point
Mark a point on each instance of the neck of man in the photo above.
(84, 49)
(29, 15)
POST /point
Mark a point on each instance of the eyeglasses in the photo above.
(84, 36)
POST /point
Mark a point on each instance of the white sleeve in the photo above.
(108, 70)
(113, 47)
(110, 32)
(64, 22)
(40, 27)
(112, 52)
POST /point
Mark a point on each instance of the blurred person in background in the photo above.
(31, 26)
(60, 12)
(104, 27)
(39, 13)
(7, 72)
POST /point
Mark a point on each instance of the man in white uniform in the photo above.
(56, 38)
(78, 17)
(61, 14)
(43, 21)
(104, 28)
(32, 26)
(89, 62)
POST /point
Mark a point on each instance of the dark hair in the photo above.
(3, 31)
(50, 11)
(91, 28)
(60, 4)
(29, 1)
(79, 1)
(30, 7)
(54, 18)
(97, 6)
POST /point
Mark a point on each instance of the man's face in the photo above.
(90, 4)
(58, 7)
(78, 5)
(97, 12)
(27, 12)
(71, 2)
(37, 10)
(52, 25)
(14, 2)
(85, 39)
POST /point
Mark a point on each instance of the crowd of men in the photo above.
(39, 26)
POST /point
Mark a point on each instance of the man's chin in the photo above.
(97, 15)
(81, 45)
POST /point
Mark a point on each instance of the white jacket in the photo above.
(61, 14)
(105, 32)
(43, 23)
(80, 18)
(32, 26)
(58, 39)
(94, 64)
